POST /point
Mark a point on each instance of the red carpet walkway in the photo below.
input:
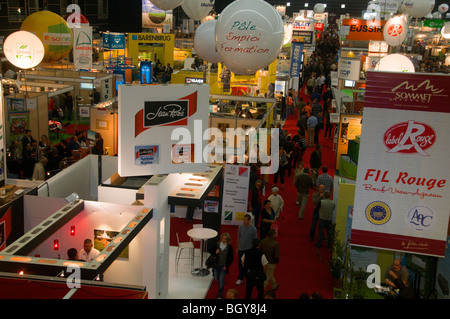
(302, 266)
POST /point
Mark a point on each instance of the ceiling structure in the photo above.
(353, 7)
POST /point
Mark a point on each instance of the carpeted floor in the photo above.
(302, 266)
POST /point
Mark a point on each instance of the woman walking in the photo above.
(224, 253)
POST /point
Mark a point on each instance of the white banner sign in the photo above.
(154, 120)
(82, 48)
(235, 194)
(402, 188)
(348, 69)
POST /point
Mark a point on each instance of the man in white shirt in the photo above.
(88, 252)
(276, 201)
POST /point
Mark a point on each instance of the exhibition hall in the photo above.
(224, 149)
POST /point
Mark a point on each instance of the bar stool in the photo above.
(181, 246)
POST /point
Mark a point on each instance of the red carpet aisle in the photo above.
(302, 267)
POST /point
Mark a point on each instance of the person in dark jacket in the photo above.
(224, 253)
(255, 265)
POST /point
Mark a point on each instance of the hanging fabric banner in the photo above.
(402, 187)
(296, 59)
(82, 48)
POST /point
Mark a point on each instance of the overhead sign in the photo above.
(113, 41)
(401, 189)
(82, 48)
(364, 30)
(23, 49)
(159, 119)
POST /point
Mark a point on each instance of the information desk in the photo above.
(201, 234)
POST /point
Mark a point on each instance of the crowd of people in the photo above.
(28, 158)
(257, 248)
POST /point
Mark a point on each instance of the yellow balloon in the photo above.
(53, 31)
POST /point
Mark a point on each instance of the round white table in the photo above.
(201, 234)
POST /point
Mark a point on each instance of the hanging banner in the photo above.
(402, 187)
(82, 48)
(235, 194)
(296, 59)
(157, 123)
(113, 41)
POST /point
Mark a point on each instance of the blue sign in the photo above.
(296, 59)
(114, 41)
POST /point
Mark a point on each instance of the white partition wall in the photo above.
(81, 177)
(157, 236)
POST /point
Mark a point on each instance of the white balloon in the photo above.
(445, 31)
(319, 8)
(167, 4)
(418, 8)
(395, 31)
(204, 42)
(396, 63)
(443, 8)
(249, 35)
(436, 15)
(23, 49)
(197, 9)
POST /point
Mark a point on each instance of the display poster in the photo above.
(82, 48)
(211, 206)
(302, 36)
(173, 118)
(402, 187)
(153, 17)
(18, 123)
(235, 194)
(103, 238)
(296, 59)
(349, 68)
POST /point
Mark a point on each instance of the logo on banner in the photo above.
(420, 218)
(412, 93)
(409, 138)
(162, 113)
(378, 213)
(395, 29)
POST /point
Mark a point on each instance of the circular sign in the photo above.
(197, 9)
(418, 8)
(395, 31)
(167, 4)
(378, 213)
(249, 35)
(395, 63)
(53, 31)
(23, 49)
(204, 42)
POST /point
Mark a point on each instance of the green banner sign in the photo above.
(433, 23)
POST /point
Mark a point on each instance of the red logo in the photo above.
(395, 30)
(409, 137)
